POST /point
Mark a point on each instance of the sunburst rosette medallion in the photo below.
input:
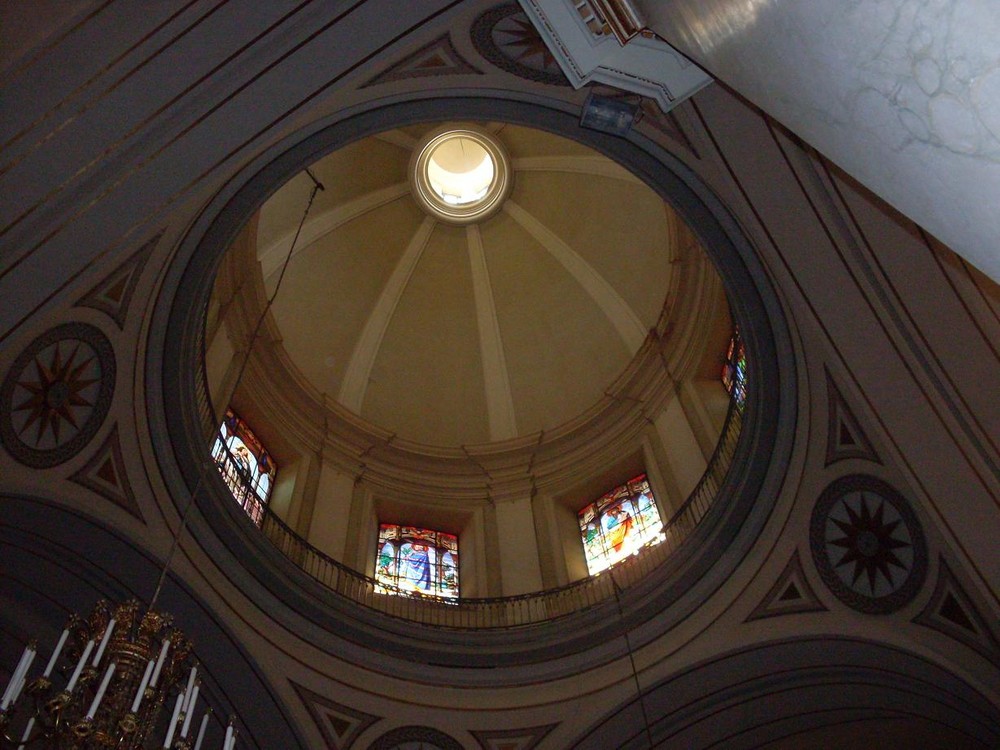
(506, 37)
(868, 545)
(56, 395)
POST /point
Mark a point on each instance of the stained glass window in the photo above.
(417, 560)
(245, 465)
(734, 371)
(620, 523)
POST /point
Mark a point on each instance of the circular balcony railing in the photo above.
(491, 612)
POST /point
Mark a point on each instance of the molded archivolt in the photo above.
(666, 596)
(839, 686)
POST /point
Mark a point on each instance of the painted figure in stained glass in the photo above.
(421, 561)
(416, 572)
(619, 524)
(245, 465)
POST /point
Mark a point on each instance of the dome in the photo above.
(482, 328)
(493, 380)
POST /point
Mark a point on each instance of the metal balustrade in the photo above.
(509, 611)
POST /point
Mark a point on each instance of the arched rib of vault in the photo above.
(499, 399)
(355, 384)
(734, 701)
(615, 308)
(273, 256)
(398, 138)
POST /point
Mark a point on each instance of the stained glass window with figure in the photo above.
(734, 370)
(245, 465)
(620, 523)
(414, 560)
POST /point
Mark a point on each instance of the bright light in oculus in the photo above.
(460, 174)
(460, 171)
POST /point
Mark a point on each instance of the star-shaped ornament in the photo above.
(870, 542)
(59, 393)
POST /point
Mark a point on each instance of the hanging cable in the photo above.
(317, 186)
(631, 661)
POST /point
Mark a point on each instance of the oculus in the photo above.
(460, 175)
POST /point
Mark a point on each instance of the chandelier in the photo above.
(105, 685)
(110, 675)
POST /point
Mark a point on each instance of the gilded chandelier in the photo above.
(105, 685)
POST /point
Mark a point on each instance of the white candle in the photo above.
(27, 733)
(18, 678)
(104, 643)
(79, 666)
(101, 690)
(5, 701)
(189, 689)
(159, 662)
(201, 731)
(173, 722)
(20, 682)
(8, 699)
(229, 736)
(189, 710)
(142, 686)
(55, 654)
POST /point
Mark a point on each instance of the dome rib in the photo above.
(496, 378)
(615, 308)
(327, 222)
(355, 384)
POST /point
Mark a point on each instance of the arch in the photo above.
(790, 688)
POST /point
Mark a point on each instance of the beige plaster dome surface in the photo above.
(452, 335)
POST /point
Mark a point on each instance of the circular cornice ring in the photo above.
(867, 544)
(661, 601)
(56, 395)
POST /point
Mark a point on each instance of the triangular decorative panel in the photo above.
(845, 438)
(665, 123)
(790, 594)
(951, 611)
(105, 474)
(439, 58)
(113, 294)
(512, 739)
(339, 725)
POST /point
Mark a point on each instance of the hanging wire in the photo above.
(631, 660)
(317, 186)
